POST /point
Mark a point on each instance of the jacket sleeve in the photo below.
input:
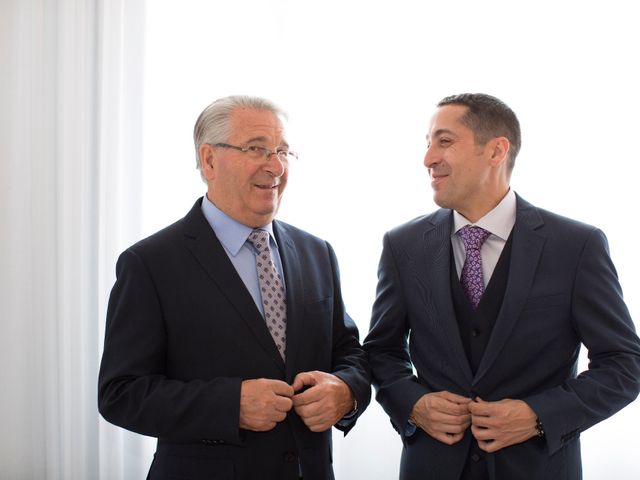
(134, 391)
(605, 328)
(349, 361)
(397, 386)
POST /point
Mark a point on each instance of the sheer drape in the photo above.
(70, 151)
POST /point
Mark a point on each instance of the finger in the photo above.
(308, 410)
(489, 446)
(264, 427)
(448, 438)
(458, 426)
(277, 416)
(484, 409)
(320, 427)
(283, 404)
(319, 421)
(450, 429)
(312, 394)
(281, 388)
(482, 421)
(454, 419)
(300, 400)
(446, 405)
(257, 423)
(303, 379)
(453, 409)
(483, 434)
(308, 416)
(298, 382)
(306, 397)
(455, 398)
(451, 422)
(428, 424)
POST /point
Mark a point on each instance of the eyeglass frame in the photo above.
(266, 153)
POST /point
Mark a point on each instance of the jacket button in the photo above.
(208, 441)
(290, 457)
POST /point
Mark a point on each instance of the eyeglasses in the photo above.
(260, 153)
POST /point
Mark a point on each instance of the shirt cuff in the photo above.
(409, 429)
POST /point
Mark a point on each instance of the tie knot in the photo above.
(473, 237)
(260, 239)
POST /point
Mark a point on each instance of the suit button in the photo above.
(475, 457)
(290, 457)
(208, 441)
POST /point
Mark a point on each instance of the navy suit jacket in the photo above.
(562, 291)
(182, 334)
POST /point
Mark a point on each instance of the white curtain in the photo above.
(70, 103)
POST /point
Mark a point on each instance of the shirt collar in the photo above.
(231, 233)
(499, 221)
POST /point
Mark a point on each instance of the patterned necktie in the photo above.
(471, 275)
(271, 290)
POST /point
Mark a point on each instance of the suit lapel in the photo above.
(293, 281)
(433, 273)
(207, 249)
(525, 254)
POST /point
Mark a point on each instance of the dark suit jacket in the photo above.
(183, 332)
(562, 291)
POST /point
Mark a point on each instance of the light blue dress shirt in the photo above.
(233, 237)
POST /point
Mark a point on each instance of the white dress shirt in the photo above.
(499, 222)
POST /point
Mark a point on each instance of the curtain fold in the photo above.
(70, 160)
(122, 454)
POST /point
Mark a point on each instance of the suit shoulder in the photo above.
(159, 242)
(192, 224)
(537, 217)
(564, 225)
(297, 234)
(419, 225)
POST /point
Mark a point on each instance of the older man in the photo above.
(227, 337)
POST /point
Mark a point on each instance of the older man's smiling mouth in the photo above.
(270, 185)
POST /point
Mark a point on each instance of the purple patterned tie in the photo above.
(271, 290)
(471, 275)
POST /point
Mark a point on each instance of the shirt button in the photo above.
(475, 332)
(475, 457)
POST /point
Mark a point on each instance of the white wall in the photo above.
(360, 80)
